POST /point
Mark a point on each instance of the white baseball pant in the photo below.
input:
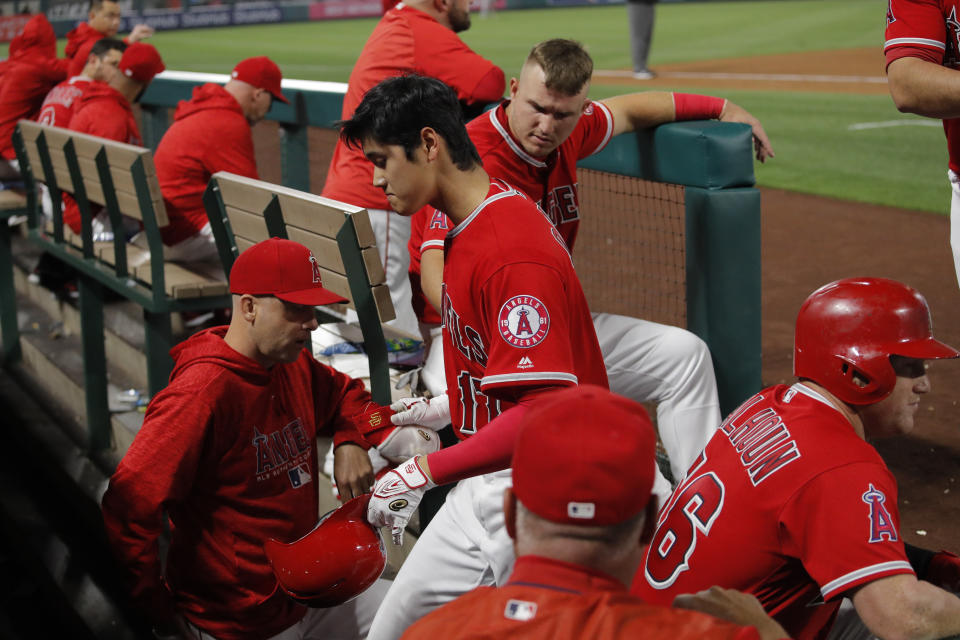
(955, 220)
(651, 362)
(465, 546)
(393, 232)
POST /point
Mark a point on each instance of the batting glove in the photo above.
(433, 413)
(396, 496)
(408, 442)
(944, 571)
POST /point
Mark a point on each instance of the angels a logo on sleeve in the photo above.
(523, 321)
(881, 523)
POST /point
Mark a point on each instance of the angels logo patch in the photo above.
(523, 321)
(881, 523)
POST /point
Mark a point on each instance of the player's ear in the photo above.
(649, 520)
(514, 83)
(510, 512)
(430, 140)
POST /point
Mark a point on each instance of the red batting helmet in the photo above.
(853, 326)
(338, 560)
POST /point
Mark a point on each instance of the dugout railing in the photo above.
(688, 248)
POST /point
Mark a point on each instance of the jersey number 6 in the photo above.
(693, 512)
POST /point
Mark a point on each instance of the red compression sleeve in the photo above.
(691, 106)
(489, 450)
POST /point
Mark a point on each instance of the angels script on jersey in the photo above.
(762, 440)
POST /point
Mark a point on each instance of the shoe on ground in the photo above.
(646, 74)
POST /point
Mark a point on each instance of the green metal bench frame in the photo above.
(96, 276)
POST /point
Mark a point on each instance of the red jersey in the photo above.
(227, 448)
(786, 502)
(514, 315)
(550, 181)
(101, 111)
(929, 30)
(556, 600)
(436, 225)
(209, 134)
(57, 108)
(405, 40)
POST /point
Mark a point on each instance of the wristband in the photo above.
(692, 106)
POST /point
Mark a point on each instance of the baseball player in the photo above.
(102, 57)
(421, 36)
(103, 21)
(31, 71)
(210, 132)
(105, 110)
(227, 449)
(515, 324)
(533, 141)
(923, 52)
(579, 537)
(790, 503)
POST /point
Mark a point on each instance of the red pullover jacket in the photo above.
(227, 449)
(31, 72)
(101, 111)
(209, 134)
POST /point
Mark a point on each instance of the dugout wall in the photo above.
(670, 226)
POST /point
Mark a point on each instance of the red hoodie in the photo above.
(76, 38)
(100, 111)
(32, 70)
(209, 134)
(228, 450)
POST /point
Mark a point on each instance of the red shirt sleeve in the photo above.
(344, 398)
(593, 131)
(915, 29)
(132, 509)
(527, 302)
(844, 526)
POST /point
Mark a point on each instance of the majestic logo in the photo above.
(523, 321)
(525, 363)
(316, 269)
(520, 610)
(881, 524)
(398, 505)
(423, 434)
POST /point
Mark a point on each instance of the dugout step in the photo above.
(60, 567)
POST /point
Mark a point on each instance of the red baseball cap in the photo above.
(141, 62)
(281, 268)
(584, 456)
(261, 72)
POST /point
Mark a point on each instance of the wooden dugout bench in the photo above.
(121, 180)
(243, 211)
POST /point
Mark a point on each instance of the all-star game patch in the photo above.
(524, 321)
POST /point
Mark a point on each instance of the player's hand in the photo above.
(397, 495)
(352, 471)
(733, 606)
(432, 414)
(408, 442)
(944, 571)
(140, 32)
(761, 143)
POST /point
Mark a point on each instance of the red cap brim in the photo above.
(315, 296)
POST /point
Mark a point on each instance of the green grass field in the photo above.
(816, 150)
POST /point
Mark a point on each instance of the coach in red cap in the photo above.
(105, 110)
(228, 449)
(211, 132)
(32, 70)
(580, 513)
